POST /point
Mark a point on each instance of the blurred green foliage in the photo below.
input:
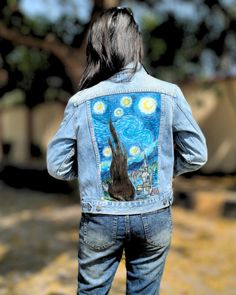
(26, 60)
(183, 40)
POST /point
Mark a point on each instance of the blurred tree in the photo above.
(40, 35)
(180, 43)
(32, 48)
(186, 39)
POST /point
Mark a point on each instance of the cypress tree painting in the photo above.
(120, 188)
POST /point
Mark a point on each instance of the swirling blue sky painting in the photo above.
(136, 119)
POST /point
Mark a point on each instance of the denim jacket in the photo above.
(125, 140)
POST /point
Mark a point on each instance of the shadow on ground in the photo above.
(39, 245)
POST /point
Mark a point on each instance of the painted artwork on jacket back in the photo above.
(126, 129)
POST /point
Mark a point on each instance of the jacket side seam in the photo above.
(160, 137)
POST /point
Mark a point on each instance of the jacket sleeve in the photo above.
(61, 150)
(190, 143)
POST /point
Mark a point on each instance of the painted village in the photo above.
(42, 59)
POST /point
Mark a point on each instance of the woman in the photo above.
(117, 138)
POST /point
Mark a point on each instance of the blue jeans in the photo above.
(145, 239)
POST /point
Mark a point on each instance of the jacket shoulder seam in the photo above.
(80, 100)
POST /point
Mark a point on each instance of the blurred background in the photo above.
(42, 57)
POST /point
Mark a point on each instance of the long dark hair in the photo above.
(114, 41)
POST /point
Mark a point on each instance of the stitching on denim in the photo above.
(145, 226)
(114, 228)
(147, 229)
(157, 205)
(85, 226)
(130, 204)
(186, 116)
(114, 92)
(107, 206)
(92, 244)
(127, 227)
(95, 147)
(162, 99)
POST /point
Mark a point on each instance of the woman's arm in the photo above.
(61, 151)
(191, 149)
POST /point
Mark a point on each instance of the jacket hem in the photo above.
(150, 204)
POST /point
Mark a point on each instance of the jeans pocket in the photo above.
(98, 231)
(158, 227)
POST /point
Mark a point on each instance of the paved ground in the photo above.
(39, 241)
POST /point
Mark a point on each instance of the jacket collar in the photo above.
(124, 74)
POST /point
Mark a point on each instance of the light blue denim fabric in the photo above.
(144, 238)
(150, 116)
